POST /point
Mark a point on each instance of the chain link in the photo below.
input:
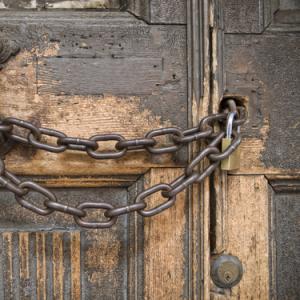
(35, 137)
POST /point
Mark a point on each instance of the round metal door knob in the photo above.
(226, 271)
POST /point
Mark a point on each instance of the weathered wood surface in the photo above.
(46, 259)
(119, 76)
(50, 257)
(102, 43)
(59, 4)
(247, 235)
(166, 244)
(248, 16)
(289, 4)
(159, 11)
(285, 229)
(269, 81)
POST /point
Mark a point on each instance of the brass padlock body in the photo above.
(233, 160)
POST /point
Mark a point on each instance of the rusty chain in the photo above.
(34, 138)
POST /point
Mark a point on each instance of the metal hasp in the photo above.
(226, 271)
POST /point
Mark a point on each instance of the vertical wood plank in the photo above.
(58, 267)
(247, 225)
(41, 266)
(8, 265)
(75, 265)
(24, 265)
(164, 243)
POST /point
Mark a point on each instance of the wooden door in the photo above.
(86, 67)
(257, 207)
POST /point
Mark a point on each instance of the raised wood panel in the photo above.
(265, 77)
(149, 61)
(248, 16)
(165, 241)
(59, 4)
(40, 265)
(79, 4)
(159, 11)
(120, 76)
(285, 216)
(51, 258)
(246, 234)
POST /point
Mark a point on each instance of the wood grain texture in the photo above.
(247, 218)
(159, 11)
(24, 265)
(59, 4)
(75, 266)
(33, 265)
(165, 249)
(79, 4)
(265, 77)
(41, 268)
(85, 114)
(285, 230)
(120, 76)
(248, 16)
(199, 99)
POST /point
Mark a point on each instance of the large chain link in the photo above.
(9, 135)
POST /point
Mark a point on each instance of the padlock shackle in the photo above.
(229, 124)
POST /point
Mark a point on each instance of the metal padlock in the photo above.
(232, 162)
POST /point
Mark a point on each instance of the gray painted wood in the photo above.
(248, 16)
(59, 4)
(289, 4)
(159, 11)
(265, 68)
(152, 58)
(103, 255)
(79, 4)
(88, 76)
(286, 236)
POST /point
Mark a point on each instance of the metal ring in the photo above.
(96, 205)
(164, 131)
(23, 124)
(230, 149)
(135, 144)
(106, 155)
(159, 208)
(35, 187)
(77, 144)
(191, 135)
(205, 152)
(51, 148)
(65, 208)
(11, 183)
(115, 212)
(180, 184)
